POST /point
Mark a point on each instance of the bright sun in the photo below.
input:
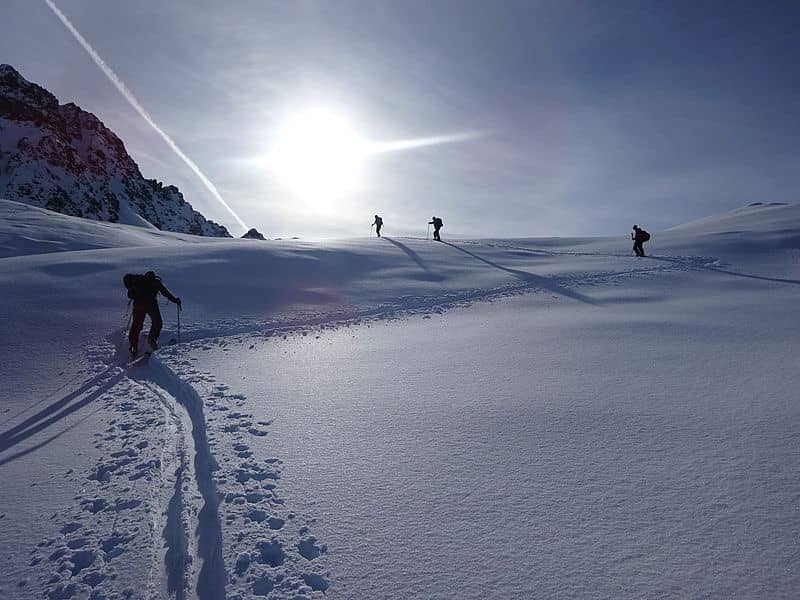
(318, 156)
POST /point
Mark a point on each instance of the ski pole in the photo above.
(428, 235)
(129, 314)
(178, 308)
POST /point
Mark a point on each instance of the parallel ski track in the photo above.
(182, 555)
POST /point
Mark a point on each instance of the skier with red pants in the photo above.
(143, 290)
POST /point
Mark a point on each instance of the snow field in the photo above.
(396, 418)
(539, 449)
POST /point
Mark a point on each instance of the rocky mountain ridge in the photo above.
(65, 159)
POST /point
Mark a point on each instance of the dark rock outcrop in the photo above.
(253, 234)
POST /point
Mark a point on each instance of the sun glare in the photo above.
(318, 156)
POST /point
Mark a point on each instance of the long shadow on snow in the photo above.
(44, 443)
(43, 399)
(534, 280)
(429, 275)
(61, 408)
(727, 272)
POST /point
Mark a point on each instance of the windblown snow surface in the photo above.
(398, 418)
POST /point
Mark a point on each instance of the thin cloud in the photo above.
(380, 147)
(128, 95)
(369, 148)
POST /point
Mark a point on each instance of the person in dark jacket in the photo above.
(143, 290)
(639, 237)
(378, 223)
(437, 225)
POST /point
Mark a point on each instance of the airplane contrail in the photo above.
(128, 95)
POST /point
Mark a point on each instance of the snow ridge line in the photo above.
(211, 579)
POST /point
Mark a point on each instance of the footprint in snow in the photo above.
(93, 579)
(81, 560)
(316, 582)
(95, 505)
(270, 552)
(115, 545)
(70, 527)
(263, 586)
(309, 549)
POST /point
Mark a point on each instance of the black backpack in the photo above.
(645, 236)
(133, 283)
(140, 286)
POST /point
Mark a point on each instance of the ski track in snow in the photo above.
(188, 495)
(405, 306)
(175, 501)
(96, 532)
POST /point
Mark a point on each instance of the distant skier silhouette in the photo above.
(639, 237)
(437, 225)
(378, 224)
(143, 290)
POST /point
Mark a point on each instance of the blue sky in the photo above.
(591, 116)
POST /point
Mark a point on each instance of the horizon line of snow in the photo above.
(128, 95)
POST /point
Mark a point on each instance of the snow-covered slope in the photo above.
(30, 230)
(753, 218)
(63, 158)
(396, 418)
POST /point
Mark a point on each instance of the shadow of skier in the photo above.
(534, 280)
(429, 275)
(61, 408)
(727, 272)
